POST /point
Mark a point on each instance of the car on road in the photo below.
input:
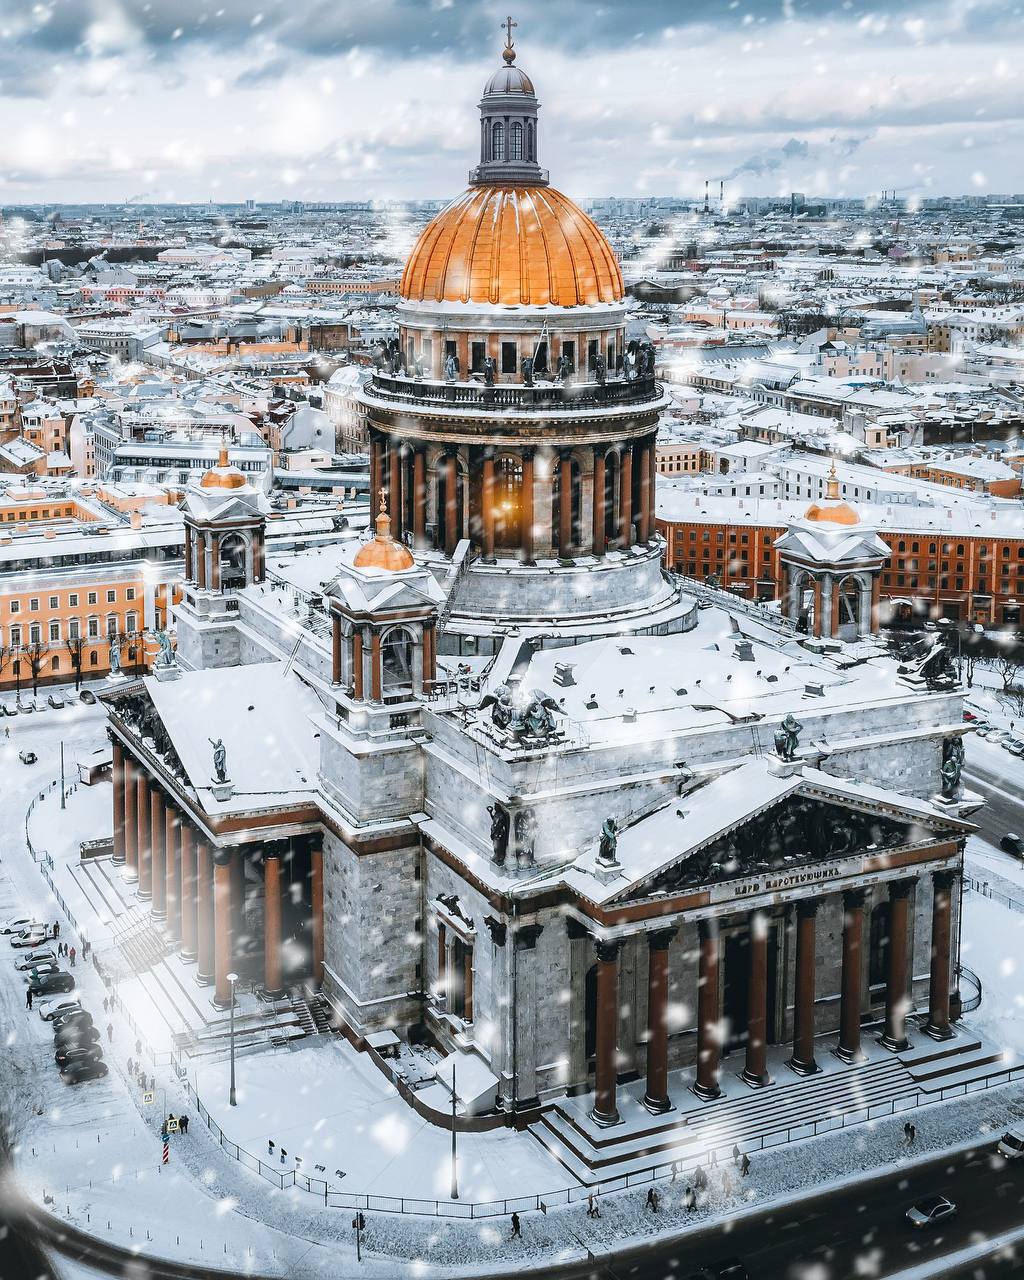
(35, 958)
(30, 939)
(1012, 843)
(20, 924)
(726, 1269)
(51, 984)
(55, 701)
(1014, 745)
(931, 1212)
(87, 696)
(53, 1008)
(71, 1055)
(1011, 1144)
(27, 757)
(84, 1071)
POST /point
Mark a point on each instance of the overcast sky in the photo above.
(361, 99)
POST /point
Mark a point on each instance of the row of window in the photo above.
(32, 513)
(510, 141)
(92, 597)
(33, 633)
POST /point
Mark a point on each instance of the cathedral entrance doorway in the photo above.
(590, 1016)
(736, 986)
(508, 504)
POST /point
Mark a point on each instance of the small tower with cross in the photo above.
(508, 125)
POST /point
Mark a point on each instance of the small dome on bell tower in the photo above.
(508, 126)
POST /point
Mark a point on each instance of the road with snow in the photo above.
(999, 777)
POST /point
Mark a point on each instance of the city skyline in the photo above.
(116, 101)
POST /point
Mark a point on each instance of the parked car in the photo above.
(49, 984)
(30, 938)
(75, 1018)
(88, 697)
(71, 1055)
(1011, 1144)
(932, 1212)
(969, 716)
(84, 1071)
(26, 708)
(27, 757)
(43, 967)
(55, 701)
(7, 710)
(79, 1037)
(1012, 843)
(19, 924)
(53, 1008)
(35, 958)
(1014, 745)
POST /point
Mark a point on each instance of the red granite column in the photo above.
(644, 530)
(335, 649)
(145, 888)
(626, 500)
(896, 1000)
(709, 1040)
(376, 478)
(205, 966)
(272, 924)
(849, 1004)
(201, 558)
(376, 675)
(188, 892)
(487, 506)
(189, 569)
(876, 599)
(238, 923)
(317, 894)
(818, 607)
(565, 507)
(656, 1097)
(755, 1070)
(395, 487)
(652, 463)
(419, 499)
(222, 927)
(131, 822)
(597, 538)
(605, 1111)
(156, 835)
(527, 516)
(451, 501)
(802, 1061)
(172, 866)
(938, 986)
(117, 774)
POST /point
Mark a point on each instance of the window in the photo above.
(477, 355)
(73, 629)
(73, 600)
(33, 604)
(94, 628)
(509, 357)
(54, 602)
(54, 632)
(35, 634)
(92, 597)
(131, 623)
(498, 141)
(130, 593)
(15, 606)
(569, 351)
(515, 138)
(111, 597)
(112, 624)
(15, 637)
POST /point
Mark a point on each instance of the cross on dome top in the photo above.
(509, 53)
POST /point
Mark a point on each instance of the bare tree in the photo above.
(970, 659)
(75, 646)
(1008, 667)
(35, 651)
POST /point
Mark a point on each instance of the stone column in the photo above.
(527, 519)
(802, 1061)
(131, 822)
(565, 506)
(709, 1041)
(172, 865)
(145, 889)
(376, 675)
(818, 609)
(442, 960)
(272, 924)
(395, 488)
(656, 1097)
(597, 533)
(467, 984)
(188, 555)
(896, 999)
(939, 983)
(487, 506)
(357, 664)
(755, 1070)
(335, 649)
(644, 528)
(451, 499)
(419, 499)
(204, 912)
(222, 927)
(876, 599)
(214, 561)
(188, 892)
(117, 773)
(156, 835)
(317, 894)
(201, 559)
(604, 1111)
(376, 478)
(626, 500)
(849, 1003)
(835, 618)
(238, 925)
(652, 461)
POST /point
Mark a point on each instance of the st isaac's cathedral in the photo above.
(491, 779)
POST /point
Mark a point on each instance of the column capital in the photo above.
(608, 949)
(526, 936)
(222, 857)
(900, 889)
(708, 928)
(576, 929)
(807, 908)
(661, 939)
(853, 899)
(944, 880)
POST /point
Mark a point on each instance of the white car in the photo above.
(35, 958)
(55, 1006)
(16, 926)
(1011, 1144)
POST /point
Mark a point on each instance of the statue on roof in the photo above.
(490, 368)
(115, 655)
(564, 368)
(538, 717)
(525, 829)
(952, 767)
(167, 656)
(451, 367)
(787, 737)
(220, 759)
(600, 369)
(500, 703)
(609, 841)
(499, 832)
(937, 668)
(527, 370)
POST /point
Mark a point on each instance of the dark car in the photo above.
(49, 984)
(87, 696)
(79, 1034)
(75, 1018)
(72, 1055)
(1012, 843)
(724, 1269)
(27, 757)
(84, 1071)
(932, 1212)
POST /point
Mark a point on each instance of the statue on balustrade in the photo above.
(564, 368)
(167, 656)
(220, 759)
(499, 832)
(500, 703)
(490, 368)
(527, 370)
(952, 767)
(600, 369)
(525, 829)
(451, 367)
(787, 737)
(609, 841)
(115, 656)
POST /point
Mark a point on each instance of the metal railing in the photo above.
(567, 395)
(733, 600)
(985, 889)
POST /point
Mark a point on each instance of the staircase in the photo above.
(142, 948)
(934, 1065)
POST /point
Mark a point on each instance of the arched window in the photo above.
(233, 561)
(112, 624)
(515, 141)
(498, 141)
(531, 142)
(396, 659)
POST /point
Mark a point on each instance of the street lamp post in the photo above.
(232, 978)
(455, 1165)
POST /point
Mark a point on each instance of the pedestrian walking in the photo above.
(183, 1124)
(592, 1210)
(28, 998)
(690, 1200)
(56, 928)
(517, 1228)
(72, 954)
(138, 1049)
(700, 1178)
(675, 1170)
(152, 1083)
(270, 1147)
(713, 1160)
(106, 1005)
(735, 1153)
(745, 1165)
(913, 1135)
(131, 1067)
(110, 1033)
(906, 1132)
(652, 1200)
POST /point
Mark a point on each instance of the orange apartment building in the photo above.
(962, 572)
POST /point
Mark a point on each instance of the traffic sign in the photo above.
(148, 1097)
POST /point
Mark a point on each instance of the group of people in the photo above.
(64, 951)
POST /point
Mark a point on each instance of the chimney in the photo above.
(136, 519)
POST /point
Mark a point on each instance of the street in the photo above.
(997, 775)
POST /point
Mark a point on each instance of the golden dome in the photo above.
(832, 509)
(383, 552)
(512, 246)
(223, 475)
